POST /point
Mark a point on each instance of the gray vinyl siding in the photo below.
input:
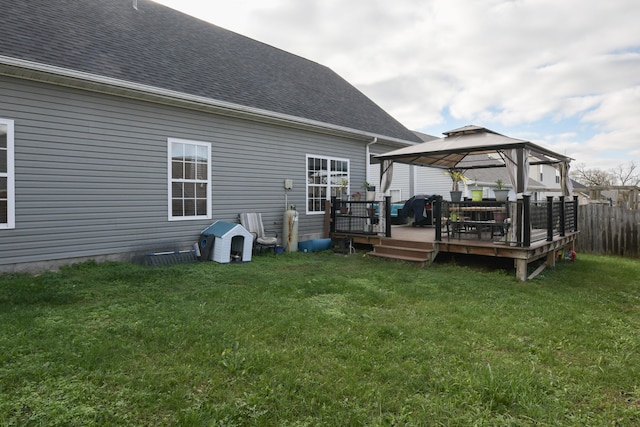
(415, 180)
(426, 180)
(402, 177)
(433, 181)
(91, 172)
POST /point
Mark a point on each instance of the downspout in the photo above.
(367, 162)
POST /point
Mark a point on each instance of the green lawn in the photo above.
(322, 340)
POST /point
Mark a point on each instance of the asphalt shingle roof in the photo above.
(157, 46)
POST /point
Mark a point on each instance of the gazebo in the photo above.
(459, 150)
(473, 147)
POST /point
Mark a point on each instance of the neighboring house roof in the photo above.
(156, 46)
(578, 186)
(424, 137)
(488, 178)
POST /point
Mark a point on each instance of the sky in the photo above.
(564, 74)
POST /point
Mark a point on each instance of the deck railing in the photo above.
(536, 221)
(361, 216)
(552, 217)
(472, 217)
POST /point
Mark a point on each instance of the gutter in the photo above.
(40, 72)
(367, 161)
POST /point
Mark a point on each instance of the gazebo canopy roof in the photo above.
(470, 147)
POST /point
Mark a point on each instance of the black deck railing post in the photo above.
(526, 220)
(549, 218)
(387, 216)
(575, 213)
(562, 218)
(437, 217)
(518, 219)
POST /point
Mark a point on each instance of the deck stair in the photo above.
(422, 253)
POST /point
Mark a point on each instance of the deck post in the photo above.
(551, 258)
(437, 213)
(562, 218)
(549, 218)
(526, 220)
(327, 219)
(521, 269)
(575, 213)
(387, 215)
(333, 215)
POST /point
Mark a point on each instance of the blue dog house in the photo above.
(225, 242)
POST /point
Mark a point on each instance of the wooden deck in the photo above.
(406, 236)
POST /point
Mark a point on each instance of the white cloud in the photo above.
(529, 65)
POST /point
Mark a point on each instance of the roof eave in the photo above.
(36, 71)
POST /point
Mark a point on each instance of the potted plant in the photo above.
(456, 176)
(370, 190)
(476, 192)
(344, 185)
(501, 193)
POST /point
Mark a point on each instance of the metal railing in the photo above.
(553, 217)
(535, 221)
(361, 216)
(472, 217)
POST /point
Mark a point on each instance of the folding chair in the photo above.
(252, 221)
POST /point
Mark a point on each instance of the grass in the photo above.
(321, 340)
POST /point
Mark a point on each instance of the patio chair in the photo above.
(252, 221)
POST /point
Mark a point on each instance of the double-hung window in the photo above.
(7, 195)
(189, 179)
(326, 177)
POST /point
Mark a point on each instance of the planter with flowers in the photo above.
(371, 191)
(501, 193)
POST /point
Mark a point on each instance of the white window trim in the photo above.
(170, 142)
(393, 191)
(10, 175)
(328, 185)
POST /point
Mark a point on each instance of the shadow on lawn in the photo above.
(483, 263)
(35, 291)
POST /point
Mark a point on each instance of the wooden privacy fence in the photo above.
(606, 230)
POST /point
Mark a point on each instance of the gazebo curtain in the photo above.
(565, 181)
(387, 175)
(517, 163)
